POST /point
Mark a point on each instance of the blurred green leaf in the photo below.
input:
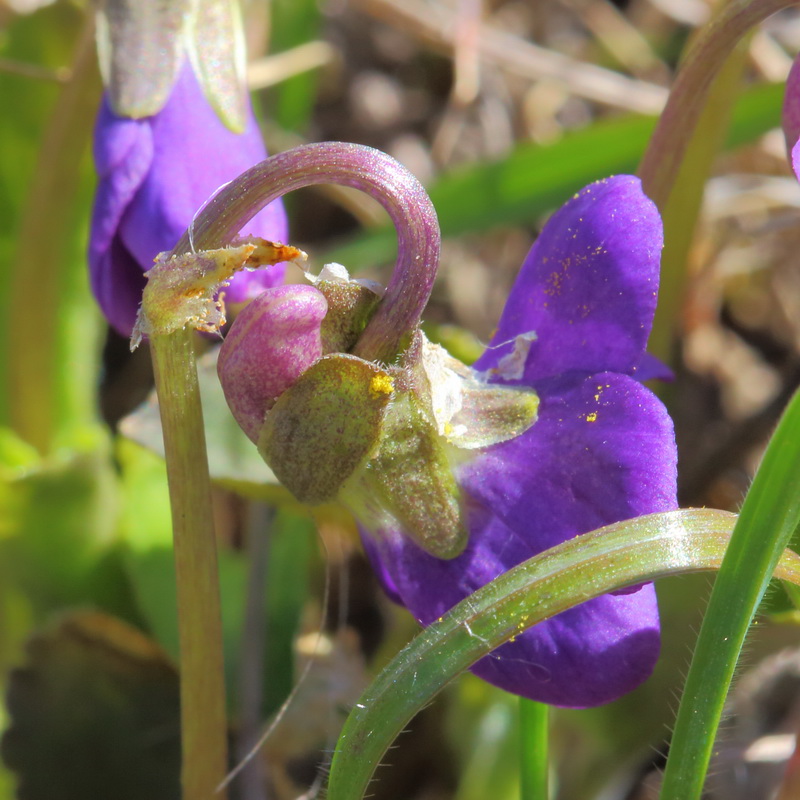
(16, 456)
(40, 40)
(52, 326)
(534, 179)
(769, 517)
(233, 459)
(146, 533)
(291, 551)
(294, 22)
(609, 558)
(150, 567)
(459, 342)
(681, 211)
(56, 524)
(484, 725)
(94, 714)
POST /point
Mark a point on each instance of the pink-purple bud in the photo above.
(272, 342)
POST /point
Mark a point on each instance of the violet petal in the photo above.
(154, 175)
(791, 115)
(588, 286)
(123, 153)
(570, 473)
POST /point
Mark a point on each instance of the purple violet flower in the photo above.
(154, 174)
(553, 432)
(602, 450)
(791, 116)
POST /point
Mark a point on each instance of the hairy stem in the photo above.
(662, 160)
(203, 712)
(374, 173)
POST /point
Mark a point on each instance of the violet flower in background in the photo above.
(601, 449)
(153, 176)
(791, 117)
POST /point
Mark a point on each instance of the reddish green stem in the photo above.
(687, 98)
(203, 710)
(372, 172)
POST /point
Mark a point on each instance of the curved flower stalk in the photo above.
(154, 173)
(676, 124)
(457, 475)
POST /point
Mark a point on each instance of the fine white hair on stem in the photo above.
(190, 229)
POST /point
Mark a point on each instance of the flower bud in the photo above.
(273, 341)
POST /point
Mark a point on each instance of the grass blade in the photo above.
(618, 555)
(769, 516)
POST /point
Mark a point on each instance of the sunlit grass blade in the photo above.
(769, 516)
(47, 363)
(534, 766)
(618, 555)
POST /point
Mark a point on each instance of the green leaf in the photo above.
(149, 564)
(56, 523)
(681, 210)
(94, 712)
(483, 727)
(16, 456)
(291, 550)
(769, 517)
(294, 22)
(534, 765)
(534, 179)
(51, 323)
(587, 566)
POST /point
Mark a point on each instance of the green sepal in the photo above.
(140, 47)
(184, 290)
(326, 426)
(412, 479)
(217, 49)
(350, 307)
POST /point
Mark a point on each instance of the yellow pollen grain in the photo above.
(381, 384)
(591, 417)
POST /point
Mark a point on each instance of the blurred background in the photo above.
(503, 109)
